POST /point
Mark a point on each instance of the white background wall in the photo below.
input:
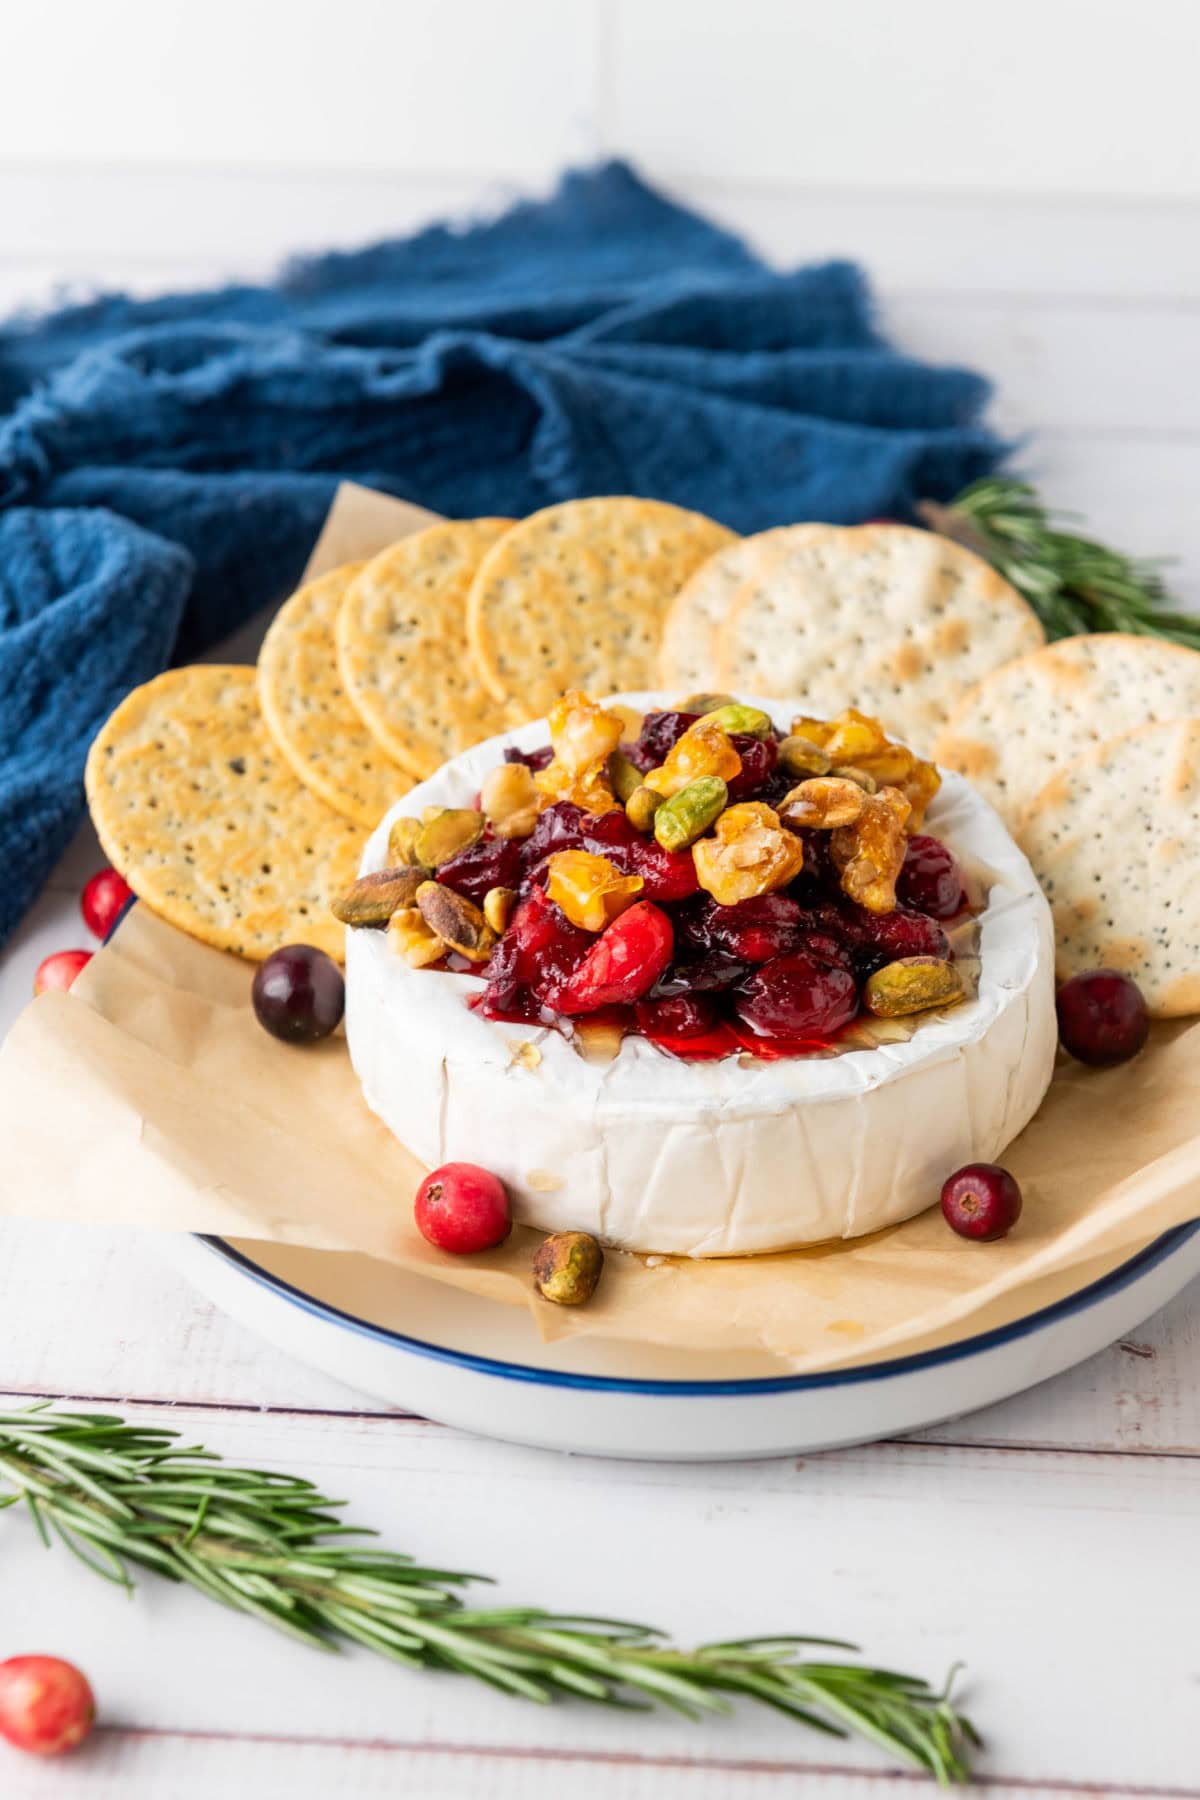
(1022, 182)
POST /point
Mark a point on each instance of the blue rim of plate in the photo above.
(1109, 1284)
(1112, 1283)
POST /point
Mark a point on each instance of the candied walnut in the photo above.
(750, 853)
(855, 738)
(862, 742)
(704, 749)
(411, 938)
(815, 730)
(458, 922)
(584, 736)
(823, 803)
(914, 984)
(510, 800)
(591, 890)
(918, 787)
(870, 853)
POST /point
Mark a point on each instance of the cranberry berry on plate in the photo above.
(46, 1705)
(1102, 1017)
(463, 1209)
(299, 994)
(60, 969)
(981, 1201)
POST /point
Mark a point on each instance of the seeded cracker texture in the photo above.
(1114, 840)
(902, 619)
(308, 715)
(688, 656)
(402, 646)
(208, 825)
(1032, 717)
(575, 596)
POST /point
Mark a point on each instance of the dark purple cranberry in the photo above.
(711, 973)
(931, 881)
(759, 757)
(797, 996)
(533, 759)
(494, 862)
(981, 1201)
(756, 930)
(660, 733)
(873, 939)
(827, 949)
(684, 1016)
(502, 976)
(559, 827)
(1102, 1017)
(669, 875)
(819, 868)
(299, 994)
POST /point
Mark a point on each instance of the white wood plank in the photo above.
(1024, 1565)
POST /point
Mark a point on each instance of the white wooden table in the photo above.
(1050, 1542)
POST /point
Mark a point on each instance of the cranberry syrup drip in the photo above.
(774, 977)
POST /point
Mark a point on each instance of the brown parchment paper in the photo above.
(149, 1097)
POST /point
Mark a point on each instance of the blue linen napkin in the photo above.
(165, 465)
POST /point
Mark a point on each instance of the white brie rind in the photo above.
(727, 1158)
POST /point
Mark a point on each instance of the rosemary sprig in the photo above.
(121, 1495)
(1073, 583)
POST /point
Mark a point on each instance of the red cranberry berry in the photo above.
(660, 733)
(623, 964)
(103, 901)
(685, 1016)
(669, 875)
(877, 938)
(493, 862)
(709, 973)
(533, 759)
(756, 930)
(558, 827)
(981, 1201)
(298, 994)
(1102, 1017)
(931, 880)
(60, 970)
(463, 1209)
(46, 1705)
(759, 757)
(798, 996)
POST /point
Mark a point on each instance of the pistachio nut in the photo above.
(688, 814)
(641, 807)
(457, 921)
(740, 721)
(913, 984)
(372, 900)
(704, 703)
(860, 777)
(625, 776)
(402, 843)
(799, 756)
(567, 1267)
(451, 829)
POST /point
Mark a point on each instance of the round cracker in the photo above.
(1114, 839)
(204, 819)
(1031, 717)
(402, 646)
(308, 714)
(895, 621)
(575, 595)
(687, 657)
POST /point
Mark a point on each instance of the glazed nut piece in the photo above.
(446, 831)
(498, 905)
(859, 749)
(591, 890)
(823, 803)
(458, 922)
(737, 720)
(870, 853)
(510, 800)
(584, 736)
(411, 938)
(800, 756)
(751, 853)
(625, 776)
(704, 749)
(688, 814)
(567, 1267)
(372, 900)
(641, 807)
(402, 843)
(912, 985)
(860, 777)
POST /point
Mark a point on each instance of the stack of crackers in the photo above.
(236, 802)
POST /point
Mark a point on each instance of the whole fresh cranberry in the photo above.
(60, 969)
(533, 759)
(685, 1016)
(668, 875)
(298, 994)
(931, 880)
(623, 964)
(797, 996)
(756, 930)
(540, 949)
(46, 1706)
(103, 901)
(660, 733)
(981, 1201)
(493, 862)
(759, 757)
(1102, 1017)
(463, 1209)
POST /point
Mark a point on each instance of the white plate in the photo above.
(479, 1365)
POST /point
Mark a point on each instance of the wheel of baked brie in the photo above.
(731, 1156)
